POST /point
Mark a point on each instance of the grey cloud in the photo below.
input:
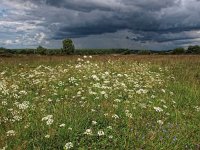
(165, 37)
(151, 20)
(109, 5)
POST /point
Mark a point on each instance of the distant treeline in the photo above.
(44, 51)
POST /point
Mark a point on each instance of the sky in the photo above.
(134, 24)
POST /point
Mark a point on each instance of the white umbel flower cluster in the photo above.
(68, 145)
(48, 119)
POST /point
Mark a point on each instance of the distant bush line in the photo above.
(44, 51)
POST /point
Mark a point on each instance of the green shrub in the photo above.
(178, 50)
(41, 50)
(193, 49)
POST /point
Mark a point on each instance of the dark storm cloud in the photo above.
(145, 16)
(151, 20)
(79, 6)
(89, 5)
(165, 37)
(74, 32)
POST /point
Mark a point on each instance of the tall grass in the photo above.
(101, 102)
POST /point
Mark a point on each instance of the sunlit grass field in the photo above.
(109, 102)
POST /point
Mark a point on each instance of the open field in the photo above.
(100, 102)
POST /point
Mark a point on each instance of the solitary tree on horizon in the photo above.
(68, 46)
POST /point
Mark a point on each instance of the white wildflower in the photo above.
(109, 127)
(23, 105)
(93, 110)
(174, 102)
(17, 118)
(163, 90)
(68, 145)
(129, 115)
(88, 132)
(103, 92)
(106, 114)
(49, 119)
(49, 122)
(142, 91)
(197, 108)
(158, 109)
(119, 75)
(47, 136)
(160, 122)
(162, 100)
(69, 128)
(115, 116)
(4, 148)
(101, 133)
(164, 106)
(10, 133)
(115, 106)
(27, 126)
(79, 59)
(94, 122)
(4, 103)
(23, 92)
(117, 100)
(50, 100)
(62, 125)
(110, 136)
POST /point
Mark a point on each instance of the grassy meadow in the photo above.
(113, 102)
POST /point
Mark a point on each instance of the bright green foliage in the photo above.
(68, 46)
